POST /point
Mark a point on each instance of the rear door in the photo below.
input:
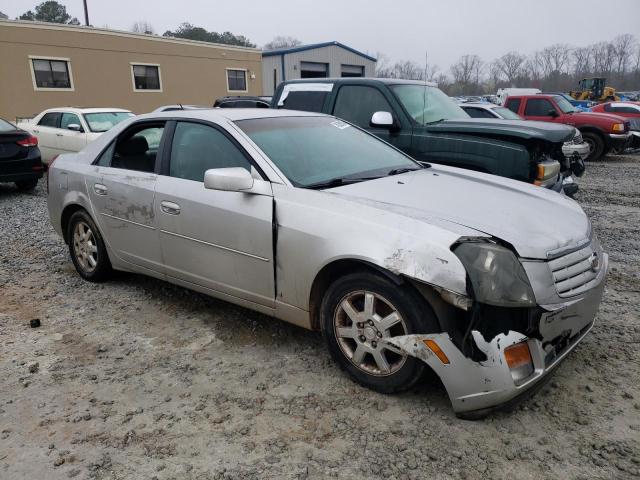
(357, 104)
(70, 140)
(122, 190)
(46, 131)
(216, 239)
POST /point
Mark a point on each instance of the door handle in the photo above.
(170, 208)
(100, 189)
(36, 131)
(58, 134)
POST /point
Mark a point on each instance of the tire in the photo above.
(87, 249)
(27, 185)
(346, 338)
(596, 144)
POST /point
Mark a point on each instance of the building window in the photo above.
(236, 80)
(51, 73)
(146, 77)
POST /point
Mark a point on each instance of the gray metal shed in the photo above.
(329, 59)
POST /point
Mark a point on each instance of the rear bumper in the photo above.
(23, 169)
(477, 387)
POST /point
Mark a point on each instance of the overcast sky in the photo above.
(401, 29)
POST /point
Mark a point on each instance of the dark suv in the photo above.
(20, 160)
(422, 121)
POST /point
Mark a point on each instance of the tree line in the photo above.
(557, 67)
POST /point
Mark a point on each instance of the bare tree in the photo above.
(623, 46)
(281, 42)
(582, 61)
(142, 26)
(466, 73)
(511, 65)
(555, 59)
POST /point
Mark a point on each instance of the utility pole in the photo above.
(86, 13)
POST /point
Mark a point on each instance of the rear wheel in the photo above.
(596, 145)
(88, 253)
(27, 185)
(358, 313)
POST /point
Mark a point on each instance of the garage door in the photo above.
(314, 70)
(352, 71)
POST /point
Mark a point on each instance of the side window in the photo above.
(357, 104)
(136, 149)
(107, 155)
(196, 148)
(51, 119)
(538, 107)
(305, 101)
(69, 119)
(624, 110)
(513, 104)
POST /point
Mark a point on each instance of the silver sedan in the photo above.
(487, 281)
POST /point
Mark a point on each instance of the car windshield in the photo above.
(313, 151)
(565, 105)
(103, 121)
(427, 104)
(507, 114)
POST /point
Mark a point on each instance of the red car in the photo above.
(602, 131)
(628, 110)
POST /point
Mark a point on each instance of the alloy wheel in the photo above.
(362, 321)
(85, 247)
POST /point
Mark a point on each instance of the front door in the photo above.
(541, 109)
(216, 239)
(69, 141)
(122, 190)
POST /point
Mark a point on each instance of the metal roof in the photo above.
(313, 46)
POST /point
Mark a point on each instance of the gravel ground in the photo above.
(136, 378)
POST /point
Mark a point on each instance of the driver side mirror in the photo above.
(75, 127)
(553, 113)
(382, 120)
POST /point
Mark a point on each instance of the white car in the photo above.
(68, 129)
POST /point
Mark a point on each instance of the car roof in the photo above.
(387, 81)
(231, 114)
(486, 105)
(86, 110)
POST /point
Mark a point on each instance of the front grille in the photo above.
(577, 140)
(575, 272)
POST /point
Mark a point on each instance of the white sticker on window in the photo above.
(341, 125)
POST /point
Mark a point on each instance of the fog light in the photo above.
(519, 360)
(435, 348)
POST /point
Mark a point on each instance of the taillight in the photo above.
(28, 142)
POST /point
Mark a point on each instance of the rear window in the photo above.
(51, 119)
(305, 101)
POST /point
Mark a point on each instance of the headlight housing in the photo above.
(496, 275)
(618, 127)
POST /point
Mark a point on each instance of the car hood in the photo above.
(551, 132)
(534, 220)
(586, 117)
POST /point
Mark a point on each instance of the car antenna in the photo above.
(181, 107)
(424, 91)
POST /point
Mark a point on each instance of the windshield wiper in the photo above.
(435, 121)
(397, 171)
(338, 182)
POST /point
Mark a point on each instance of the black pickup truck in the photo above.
(422, 121)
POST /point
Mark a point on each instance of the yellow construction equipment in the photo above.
(595, 89)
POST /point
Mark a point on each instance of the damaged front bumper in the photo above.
(477, 387)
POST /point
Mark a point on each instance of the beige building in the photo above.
(45, 65)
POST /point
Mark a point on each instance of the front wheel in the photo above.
(358, 313)
(88, 253)
(596, 145)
